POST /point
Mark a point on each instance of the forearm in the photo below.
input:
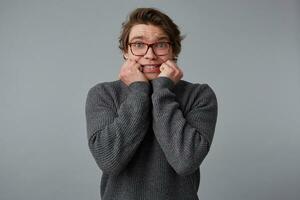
(115, 136)
(185, 140)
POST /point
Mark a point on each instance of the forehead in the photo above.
(147, 32)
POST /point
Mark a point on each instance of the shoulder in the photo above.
(198, 94)
(193, 88)
(112, 87)
(107, 91)
(106, 86)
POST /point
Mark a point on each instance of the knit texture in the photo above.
(149, 139)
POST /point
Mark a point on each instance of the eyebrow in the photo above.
(142, 37)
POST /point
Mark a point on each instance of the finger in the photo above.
(128, 63)
(136, 66)
(163, 67)
(131, 61)
(171, 63)
(140, 68)
(169, 68)
(174, 66)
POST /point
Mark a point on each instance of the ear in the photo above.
(125, 55)
(175, 59)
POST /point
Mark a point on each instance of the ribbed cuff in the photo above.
(162, 82)
(140, 86)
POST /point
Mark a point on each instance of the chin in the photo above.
(151, 76)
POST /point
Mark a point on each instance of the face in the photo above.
(150, 62)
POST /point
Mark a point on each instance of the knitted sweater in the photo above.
(149, 139)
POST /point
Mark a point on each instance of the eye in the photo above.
(139, 45)
(162, 45)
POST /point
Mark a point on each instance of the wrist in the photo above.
(140, 86)
(162, 82)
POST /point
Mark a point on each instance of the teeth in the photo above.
(150, 66)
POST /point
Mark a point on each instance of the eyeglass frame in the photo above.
(149, 45)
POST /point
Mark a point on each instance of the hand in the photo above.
(171, 70)
(130, 72)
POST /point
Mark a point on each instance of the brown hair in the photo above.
(154, 17)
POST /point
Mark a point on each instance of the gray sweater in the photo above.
(149, 139)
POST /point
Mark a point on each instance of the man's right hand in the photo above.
(130, 72)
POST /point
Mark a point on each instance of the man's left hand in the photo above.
(171, 70)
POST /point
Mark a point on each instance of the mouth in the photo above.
(151, 68)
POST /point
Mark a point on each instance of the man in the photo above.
(150, 130)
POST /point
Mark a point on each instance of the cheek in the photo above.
(170, 56)
(133, 57)
(167, 57)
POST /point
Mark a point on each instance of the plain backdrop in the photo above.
(53, 52)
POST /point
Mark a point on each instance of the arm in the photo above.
(114, 135)
(185, 140)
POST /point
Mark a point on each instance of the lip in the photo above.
(151, 68)
(154, 65)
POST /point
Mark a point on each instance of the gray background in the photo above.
(52, 52)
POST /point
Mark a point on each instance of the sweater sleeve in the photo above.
(114, 134)
(185, 140)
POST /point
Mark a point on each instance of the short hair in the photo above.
(154, 17)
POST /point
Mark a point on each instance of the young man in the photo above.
(150, 130)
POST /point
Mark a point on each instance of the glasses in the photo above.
(140, 48)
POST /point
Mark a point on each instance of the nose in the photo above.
(150, 54)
